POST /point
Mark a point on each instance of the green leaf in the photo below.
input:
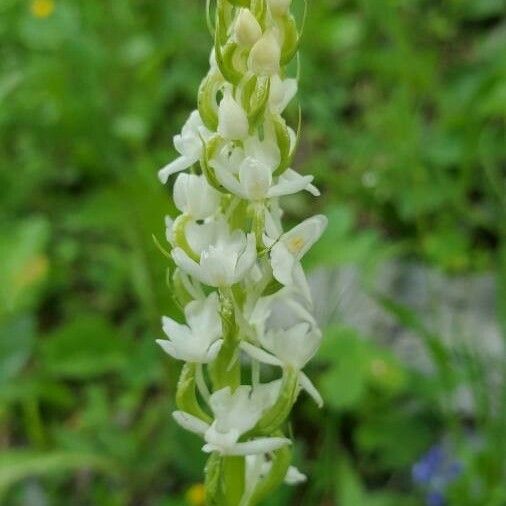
(344, 383)
(23, 264)
(85, 348)
(16, 344)
(396, 438)
(19, 465)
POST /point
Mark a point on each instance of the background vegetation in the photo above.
(404, 105)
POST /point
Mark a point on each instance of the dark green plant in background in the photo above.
(404, 126)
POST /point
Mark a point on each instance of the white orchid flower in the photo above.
(235, 413)
(288, 249)
(287, 334)
(281, 93)
(293, 348)
(232, 118)
(198, 341)
(224, 257)
(248, 172)
(194, 196)
(188, 144)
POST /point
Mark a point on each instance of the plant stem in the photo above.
(233, 479)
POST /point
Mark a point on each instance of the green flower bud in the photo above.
(265, 55)
(279, 7)
(232, 119)
(247, 30)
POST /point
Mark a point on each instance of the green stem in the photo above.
(225, 371)
(33, 423)
(233, 479)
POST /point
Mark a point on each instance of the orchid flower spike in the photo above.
(234, 272)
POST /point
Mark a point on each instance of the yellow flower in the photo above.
(42, 8)
(196, 495)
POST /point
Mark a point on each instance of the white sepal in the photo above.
(232, 119)
(190, 423)
(194, 196)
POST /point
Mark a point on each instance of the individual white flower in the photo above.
(277, 312)
(295, 346)
(287, 333)
(224, 261)
(265, 55)
(188, 144)
(228, 159)
(235, 413)
(194, 196)
(248, 172)
(247, 29)
(281, 93)
(232, 118)
(288, 250)
(279, 7)
(198, 341)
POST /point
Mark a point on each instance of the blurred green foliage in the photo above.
(404, 106)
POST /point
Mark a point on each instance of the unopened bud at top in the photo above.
(232, 119)
(265, 55)
(279, 7)
(247, 29)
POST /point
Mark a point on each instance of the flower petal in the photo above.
(308, 386)
(190, 422)
(260, 355)
(179, 164)
(258, 446)
(184, 262)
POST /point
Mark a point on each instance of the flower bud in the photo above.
(232, 119)
(279, 7)
(265, 55)
(247, 29)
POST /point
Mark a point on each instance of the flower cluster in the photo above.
(237, 274)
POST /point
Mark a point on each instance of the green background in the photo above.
(404, 106)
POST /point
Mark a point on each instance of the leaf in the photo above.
(16, 344)
(350, 490)
(23, 264)
(396, 438)
(84, 348)
(344, 383)
(18, 465)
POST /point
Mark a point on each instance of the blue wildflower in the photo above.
(434, 472)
